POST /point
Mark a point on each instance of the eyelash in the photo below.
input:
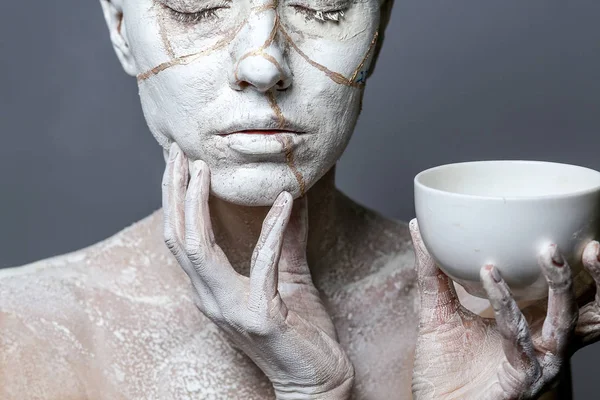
(322, 16)
(192, 18)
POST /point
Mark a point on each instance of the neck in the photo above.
(237, 228)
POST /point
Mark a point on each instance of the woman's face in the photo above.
(266, 92)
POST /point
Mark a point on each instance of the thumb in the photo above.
(438, 297)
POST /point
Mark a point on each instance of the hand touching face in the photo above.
(275, 316)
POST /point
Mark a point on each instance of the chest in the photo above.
(173, 351)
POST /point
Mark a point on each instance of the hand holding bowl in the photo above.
(505, 213)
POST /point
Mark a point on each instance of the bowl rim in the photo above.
(418, 183)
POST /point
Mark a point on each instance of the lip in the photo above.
(259, 143)
(263, 132)
(261, 125)
(263, 137)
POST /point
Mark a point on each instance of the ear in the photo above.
(386, 13)
(113, 14)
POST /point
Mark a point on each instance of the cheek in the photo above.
(335, 131)
(331, 110)
(176, 101)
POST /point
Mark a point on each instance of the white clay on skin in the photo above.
(117, 320)
(257, 42)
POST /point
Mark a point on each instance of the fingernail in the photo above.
(174, 151)
(197, 165)
(413, 224)
(495, 274)
(557, 258)
(281, 200)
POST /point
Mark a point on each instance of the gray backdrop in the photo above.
(457, 80)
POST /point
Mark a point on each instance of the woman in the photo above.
(254, 102)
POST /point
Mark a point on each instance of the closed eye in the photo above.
(195, 17)
(323, 16)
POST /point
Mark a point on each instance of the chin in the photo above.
(255, 185)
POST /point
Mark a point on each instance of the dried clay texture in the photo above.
(117, 320)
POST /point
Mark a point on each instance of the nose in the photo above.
(258, 58)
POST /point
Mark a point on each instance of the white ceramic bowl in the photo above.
(504, 213)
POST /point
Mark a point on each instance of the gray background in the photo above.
(457, 80)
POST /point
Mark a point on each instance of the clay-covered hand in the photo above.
(517, 355)
(587, 330)
(275, 315)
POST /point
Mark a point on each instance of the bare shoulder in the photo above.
(63, 287)
(40, 348)
(55, 315)
(36, 312)
(114, 321)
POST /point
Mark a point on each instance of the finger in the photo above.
(174, 185)
(295, 283)
(173, 193)
(436, 289)
(591, 262)
(516, 339)
(588, 326)
(293, 265)
(263, 267)
(209, 261)
(197, 214)
(562, 313)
